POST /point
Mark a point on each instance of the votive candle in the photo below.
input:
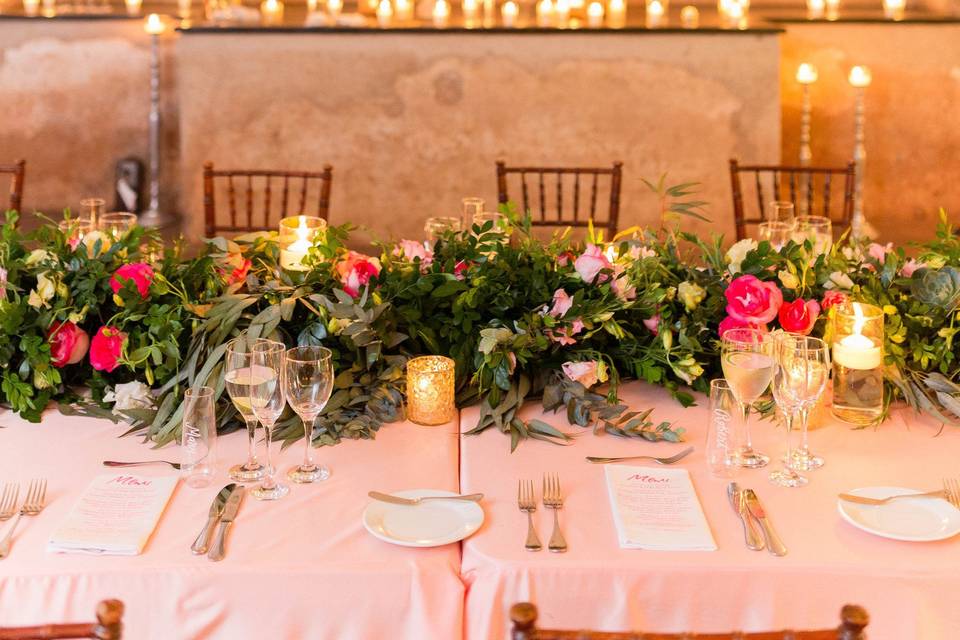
(297, 235)
(509, 12)
(384, 13)
(894, 9)
(133, 7)
(30, 7)
(815, 9)
(595, 15)
(690, 17)
(545, 13)
(334, 7)
(403, 10)
(561, 13)
(617, 14)
(441, 14)
(271, 13)
(430, 390)
(655, 13)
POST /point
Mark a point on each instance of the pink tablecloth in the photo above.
(908, 588)
(303, 567)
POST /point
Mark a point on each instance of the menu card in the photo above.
(657, 510)
(116, 515)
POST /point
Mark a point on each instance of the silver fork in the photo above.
(32, 505)
(951, 490)
(527, 501)
(8, 501)
(553, 499)
(674, 458)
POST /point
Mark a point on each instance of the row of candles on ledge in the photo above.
(830, 9)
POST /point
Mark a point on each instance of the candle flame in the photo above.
(858, 319)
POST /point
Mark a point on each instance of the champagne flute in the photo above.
(268, 401)
(239, 377)
(789, 377)
(816, 358)
(747, 359)
(308, 381)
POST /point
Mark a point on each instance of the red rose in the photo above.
(832, 299)
(355, 271)
(799, 316)
(752, 301)
(68, 343)
(141, 274)
(460, 269)
(106, 347)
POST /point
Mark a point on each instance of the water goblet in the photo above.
(268, 401)
(239, 377)
(117, 223)
(788, 377)
(308, 381)
(747, 360)
(813, 356)
(777, 233)
(817, 229)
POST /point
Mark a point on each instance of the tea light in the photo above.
(561, 13)
(403, 10)
(384, 13)
(297, 235)
(833, 9)
(545, 13)
(690, 17)
(806, 73)
(595, 15)
(858, 362)
(441, 14)
(894, 9)
(509, 12)
(617, 14)
(30, 7)
(133, 7)
(815, 9)
(430, 390)
(860, 77)
(154, 25)
(271, 13)
(469, 9)
(655, 13)
(334, 7)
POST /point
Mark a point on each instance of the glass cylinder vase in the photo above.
(858, 363)
(430, 390)
(297, 235)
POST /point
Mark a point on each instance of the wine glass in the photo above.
(268, 401)
(469, 207)
(117, 223)
(817, 229)
(777, 233)
(814, 355)
(748, 364)
(92, 208)
(781, 211)
(308, 381)
(239, 377)
(789, 378)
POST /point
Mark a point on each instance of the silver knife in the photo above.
(774, 544)
(202, 543)
(386, 497)
(229, 514)
(751, 532)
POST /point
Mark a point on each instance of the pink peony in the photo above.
(564, 336)
(591, 262)
(141, 274)
(106, 347)
(561, 303)
(879, 251)
(583, 372)
(460, 269)
(751, 301)
(910, 266)
(799, 316)
(653, 324)
(68, 343)
(355, 270)
(410, 250)
(729, 323)
(832, 299)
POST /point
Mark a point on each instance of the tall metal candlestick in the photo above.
(806, 76)
(153, 217)
(860, 79)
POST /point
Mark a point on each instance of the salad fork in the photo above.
(32, 505)
(8, 502)
(527, 502)
(553, 499)
(674, 458)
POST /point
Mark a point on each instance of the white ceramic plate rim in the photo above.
(882, 492)
(436, 542)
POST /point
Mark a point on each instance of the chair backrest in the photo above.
(810, 189)
(523, 616)
(547, 207)
(258, 189)
(17, 172)
(109, 626)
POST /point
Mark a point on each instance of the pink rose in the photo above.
(751, 301)
(561, 303)
(460, 269)
(653, 324)
(106, 347)
(564, 336)
(355, 271)
(564, 258)
(799, 316)
(411, 249)
(910, 266)
(3, 283)
(639, 253)
(68, 343)
(729, 323)
(591, 262)
(832, 298)
(141, 274)
(879, 252)
(583, 372)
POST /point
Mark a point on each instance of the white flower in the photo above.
(46, 289)
(739, 251)
(37, 256)
(789, 280)
(129, 395)
(838, 280)
(691, 294)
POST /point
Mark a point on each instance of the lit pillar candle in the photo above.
(617, 14)
(49, 8)
(545, 13)
(815, 9)
(334, 7)
(509, 12)
(430, 390)
(857, 347)
(470, 9)
(271, 13)
(690, 17)
(384, 13)
(595, 15)
(561, 13)
(403, 10)
(441, 14)
(30, 7)
(133, 7)
(655, 14)
(833, 9)
(297, 235)
(894, 9)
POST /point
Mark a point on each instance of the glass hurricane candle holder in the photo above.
(297, 235)
(437, 226)
(117, 224)
(430, 390)
(858, 363)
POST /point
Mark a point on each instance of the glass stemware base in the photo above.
(243, 473)
(306, 475)
(787, 478)
(804, 461)
(750, 459)
(275, 492)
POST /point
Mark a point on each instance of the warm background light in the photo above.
(154, 25)
(860, 76)
(806, 73)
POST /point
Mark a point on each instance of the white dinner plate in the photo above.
(913, 520)
(429, 524)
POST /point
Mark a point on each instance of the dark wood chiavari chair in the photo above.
(17, 172)
(109, 626)
(523, 616)
(250, 219)
(800, 189)
(576, 217)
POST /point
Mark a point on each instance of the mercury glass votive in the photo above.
(858, 363)
(297, 235)
(430, 390)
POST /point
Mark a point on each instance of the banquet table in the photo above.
(301, 567)
(907, 588)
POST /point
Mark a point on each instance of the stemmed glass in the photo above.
(117, 223)
(268, 401)
(308, 381)
(748, 364)
(790, 380)
(815, 356)
(239, 377)
(781, 211)
(817, 229)
(778, 233)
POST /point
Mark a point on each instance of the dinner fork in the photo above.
(951, 489)
(32, 505)
(553, 499)
(8, 501)
(950, 493)
(674, 458)
(527, 501)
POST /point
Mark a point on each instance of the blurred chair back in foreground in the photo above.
(109, 626)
